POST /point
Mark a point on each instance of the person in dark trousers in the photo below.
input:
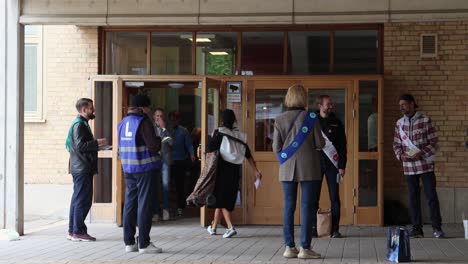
(414, 143)
(83, 150)
(332, 158)
(138, 150)
(182, 150)
(161, 129)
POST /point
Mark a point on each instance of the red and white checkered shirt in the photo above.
(423, 134)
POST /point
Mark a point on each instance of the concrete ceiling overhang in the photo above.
(228, 12)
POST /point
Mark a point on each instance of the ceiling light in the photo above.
(222, 53)
(200, 37)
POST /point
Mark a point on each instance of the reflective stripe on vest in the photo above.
(135, 159)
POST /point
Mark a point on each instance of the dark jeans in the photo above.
(138, 207)
(429, 183)
(330, 172)
(80, 202)
(179, 170)
(309, 190)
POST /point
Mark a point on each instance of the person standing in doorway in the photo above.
(296, 140)
(139, 153)
(332, 159)
(182, 150)
(83, 150)
(414, 143)
(165, 134)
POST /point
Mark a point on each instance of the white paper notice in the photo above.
(257, 184)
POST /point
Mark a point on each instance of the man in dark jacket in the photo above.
(83, 165)
(139, 153)
(332, 157)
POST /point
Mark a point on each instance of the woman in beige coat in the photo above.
(297, 140)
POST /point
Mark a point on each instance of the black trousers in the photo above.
(179, 171)
(429, 184)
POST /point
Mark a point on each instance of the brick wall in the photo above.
(440, 86)
(70, 57)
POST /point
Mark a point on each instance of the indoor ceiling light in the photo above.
(222, 53)
(200, 37)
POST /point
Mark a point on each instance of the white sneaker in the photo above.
(166, 215)
(230, 232)
(290, 252)
(131, 248)
(308, 254)
(150, 249)
(211, 230)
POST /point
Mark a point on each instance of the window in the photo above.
(262, 53)
(33, 94)
(126, 53)
(356, 51)
(309, 52)
(171, 53)
(216, 53)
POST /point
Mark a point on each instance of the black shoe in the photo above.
(438, 233)
(416, 233)
(314, 232)
(336, 234)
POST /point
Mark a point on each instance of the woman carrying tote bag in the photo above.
(232, 147)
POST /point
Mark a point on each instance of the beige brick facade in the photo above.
(70, 56)
(440, 88)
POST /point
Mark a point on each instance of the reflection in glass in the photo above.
(368, 116)
(309, 52)
(338, 97)
(216, 53)
(268, 105)
(171, 53)
(368, 183)
(103, 128)
(262, 53)
(126, 53)
(356, 51)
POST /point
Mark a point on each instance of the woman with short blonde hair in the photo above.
(296, 96)
(297, 138)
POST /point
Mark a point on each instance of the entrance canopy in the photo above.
(198, 12)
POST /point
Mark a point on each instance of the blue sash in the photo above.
(306, 128)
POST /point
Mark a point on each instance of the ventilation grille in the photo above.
(428, 45)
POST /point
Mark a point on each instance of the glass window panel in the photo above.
(171, 53)
(103, 129)
(368, 114)
(216, 53)
(338, 97)
(31, 31)
(268, 105)
(262, 53)
(368, 183)
(309, 52)
(126, 53)
(30, 77)
(356, 51)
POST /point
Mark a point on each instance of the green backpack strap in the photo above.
(68, 141)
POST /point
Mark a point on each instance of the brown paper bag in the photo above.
(324, 223)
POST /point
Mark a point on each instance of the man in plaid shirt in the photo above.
(414, 143)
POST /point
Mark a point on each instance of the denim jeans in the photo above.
(138, 207)
(429, 183)
(166, 189)
(330, 172)
(80, 202)
(309, 190)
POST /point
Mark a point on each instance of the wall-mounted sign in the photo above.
(234, 92)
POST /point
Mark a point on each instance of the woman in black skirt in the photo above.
(229, 173)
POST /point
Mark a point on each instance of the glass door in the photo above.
(368, 152)
(212, 107)
(106, 95)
